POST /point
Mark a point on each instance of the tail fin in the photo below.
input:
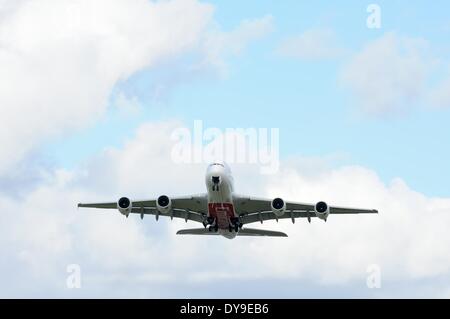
(242, 232)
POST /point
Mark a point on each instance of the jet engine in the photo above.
(164, 204)
(278, 207)
(322, 210)
(124, 205)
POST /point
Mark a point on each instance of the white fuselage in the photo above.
(219, 185)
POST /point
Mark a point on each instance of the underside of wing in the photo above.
(193, 207)
(174, 213)
(195, 203)
(246, 205)
(343, 210)
(251, 209)
(110, 205)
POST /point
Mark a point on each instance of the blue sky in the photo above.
(316, 116)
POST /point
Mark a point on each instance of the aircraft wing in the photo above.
(192, 207)
(252, 210)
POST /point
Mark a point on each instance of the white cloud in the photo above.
(42, 232)
(395, 239)
(127, 104)
(439, 95)
(389, 75)
(314, 44)
(59, 62)
(219, 44)
(60, 59)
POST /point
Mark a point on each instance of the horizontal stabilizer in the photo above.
(242, 232)
(196, 231)
(260, 232)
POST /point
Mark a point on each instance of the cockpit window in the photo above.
(218, 164)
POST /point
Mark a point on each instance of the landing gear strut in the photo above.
(212, 222)
(216, 182)
(214, 228)
(208, 221)
(235, 225)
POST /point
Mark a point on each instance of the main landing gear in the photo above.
(208, 221)
(213, 227)
(235, 225)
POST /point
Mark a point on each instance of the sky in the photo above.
(91, 93)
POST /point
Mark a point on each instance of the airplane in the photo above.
(222, 212)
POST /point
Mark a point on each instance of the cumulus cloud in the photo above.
(314, 44)
(439, 95)
(219, 44)
(394, 239)
(60, 62)
(60, 59)
(42, 232)
(389, 75)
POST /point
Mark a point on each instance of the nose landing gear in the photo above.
(216, 181)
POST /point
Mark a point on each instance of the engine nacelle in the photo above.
(322, 210)
(124, 205)
(164, 204)
(278, 207)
